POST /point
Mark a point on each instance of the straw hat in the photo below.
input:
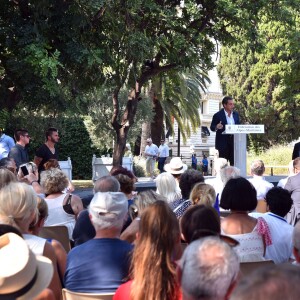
(176, 166)
(22, 274)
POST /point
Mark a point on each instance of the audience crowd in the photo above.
(190, 239)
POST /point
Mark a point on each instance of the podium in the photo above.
(240, 143)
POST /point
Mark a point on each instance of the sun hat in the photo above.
(23, 275)
(109, 203)
(176, 166)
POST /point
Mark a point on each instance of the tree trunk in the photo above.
(146, 133)
(122, 128)
(157, 125)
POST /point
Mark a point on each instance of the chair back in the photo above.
(248, 267)
(59, 233)
(69, 295)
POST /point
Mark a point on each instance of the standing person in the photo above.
(6, 143)
(296, 151)
(163, 153)
(19, 152)
(226, 116)
(204, 165)
(151, 152)
(47, 150)
(293, 186)
(194, 161)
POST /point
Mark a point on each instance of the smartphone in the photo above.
(24, 170)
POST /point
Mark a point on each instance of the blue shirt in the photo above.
(6, 143)
(98, 265)
(19, 154)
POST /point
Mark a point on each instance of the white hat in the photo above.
(176, 166)
(114, 203)
(22, 274)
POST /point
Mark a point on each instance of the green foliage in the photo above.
(264, 80)
(278, 155)
(181, 95)
(74, 141)
(100, 110)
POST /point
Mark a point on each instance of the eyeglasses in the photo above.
(27, 135)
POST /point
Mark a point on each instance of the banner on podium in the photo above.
(232, 129)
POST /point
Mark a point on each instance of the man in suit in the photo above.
(226, 116)
(296, 151)
(293, 186)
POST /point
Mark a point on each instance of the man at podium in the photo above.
(226, 116)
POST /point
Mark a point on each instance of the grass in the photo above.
(275, 156)
(83, 184)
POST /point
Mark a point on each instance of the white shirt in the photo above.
(281, 232)
(152, 150)
(163, 150)
(261, 185)
(230, 119)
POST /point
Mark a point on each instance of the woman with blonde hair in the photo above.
(35, 228)
(6, 176)
(203, 193)
(18, 208)
(153, 271)
(63, 208)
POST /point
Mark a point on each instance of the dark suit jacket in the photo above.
(296, 151)
(222, 139)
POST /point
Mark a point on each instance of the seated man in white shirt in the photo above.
(279, 203)
(261, 185)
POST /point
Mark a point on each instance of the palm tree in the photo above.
(178, 98)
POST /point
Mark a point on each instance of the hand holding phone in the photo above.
(24, 170)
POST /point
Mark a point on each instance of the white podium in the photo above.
(240, 143)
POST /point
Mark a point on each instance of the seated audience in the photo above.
(279, 203)
(84, 230)
(296, 243)
(23, 275)
(187, 181)
(9, 163)
(63, 208)
(201, 221)
(197, 219)
(293, 186)
(141, 202)
(282, 182)
(59, 250)
(167, 187)
(31, 178)
(101, 264)
(239, 196)
(18, 207)
(208, 269)
(217, 183)
(203, 193)
(153, 273)
(6, 177)
(53, 163)
(176, 167)
(260, 184)
(276, 282)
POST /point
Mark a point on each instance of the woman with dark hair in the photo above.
(153, 269)
(239, 196)
(197, 219)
